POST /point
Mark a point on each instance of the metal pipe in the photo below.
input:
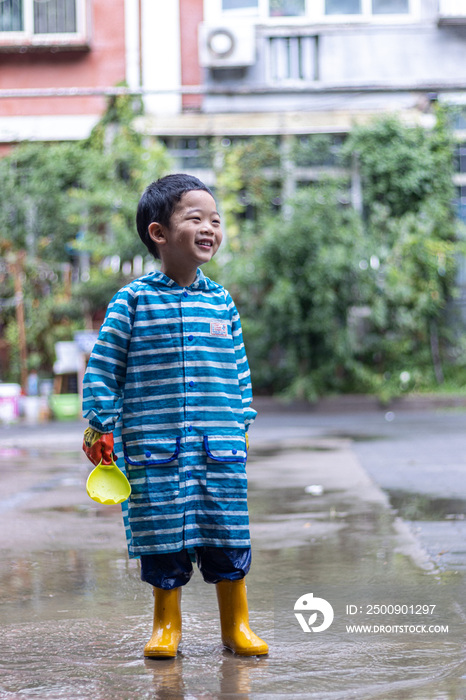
(9, 93)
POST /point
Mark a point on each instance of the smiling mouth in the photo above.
(204, 244)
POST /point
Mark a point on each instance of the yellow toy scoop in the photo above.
(107, 484)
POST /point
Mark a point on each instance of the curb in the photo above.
(349, 403)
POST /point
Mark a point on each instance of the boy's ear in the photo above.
(157, 233)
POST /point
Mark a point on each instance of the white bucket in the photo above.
(9, 402)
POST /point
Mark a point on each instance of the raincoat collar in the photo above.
(161, 280)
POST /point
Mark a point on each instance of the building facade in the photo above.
(59, 59)
(210, 69)
(53, 58)
(300, 67)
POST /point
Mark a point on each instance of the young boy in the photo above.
(169, 378)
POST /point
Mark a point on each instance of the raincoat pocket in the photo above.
(153, 469)
(226, 465)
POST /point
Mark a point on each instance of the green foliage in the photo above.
(62, 203)
(102, 285)
(249, 179)
(295, 283)
(103, 203)
(34, 181)
(412, 290)
(49, 314)
(407, 181)
(333, 301)
(402, 167)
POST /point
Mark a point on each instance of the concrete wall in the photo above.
(358, 64)
(394, 55)
(160, 55)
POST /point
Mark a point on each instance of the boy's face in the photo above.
(193, 235)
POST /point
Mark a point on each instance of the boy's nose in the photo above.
(206, 227)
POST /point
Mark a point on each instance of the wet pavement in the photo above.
(327, 493)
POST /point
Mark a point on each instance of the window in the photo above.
(374, 7)
(238, 4)
(390, 7)
(292, 58)
(460, 203)
(54, 16)
(343, 7)
(457, 115)
(276, 8)
(42, 21)
(287, 8)
(191, 153)
(315, 10)
(460, 158)
(11, 16)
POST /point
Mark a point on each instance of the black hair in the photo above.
(158, 202)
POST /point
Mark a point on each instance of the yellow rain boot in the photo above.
(234, 620)
(166, 633)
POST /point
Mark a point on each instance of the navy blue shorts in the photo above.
(175, 569)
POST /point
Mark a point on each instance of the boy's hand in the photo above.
(98, 447)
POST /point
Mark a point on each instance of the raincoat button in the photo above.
(234, 451)
(190, 337)
(148, 454)
(190, 427)
(191, 383)
(189, 475)
(185, 293)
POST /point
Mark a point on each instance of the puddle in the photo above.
(86, 616)
(287, 501)
(416, 506)
(75, 615)
(83, 511)
(272, 449)
(32, 492)
(356, 436)
(439, 524)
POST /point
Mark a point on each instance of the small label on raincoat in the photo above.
(219, 329)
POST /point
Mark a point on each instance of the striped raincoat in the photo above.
(169, 376)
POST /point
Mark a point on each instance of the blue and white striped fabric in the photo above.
(169, 376)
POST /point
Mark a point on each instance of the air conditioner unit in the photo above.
(452, 12)
(227, 46)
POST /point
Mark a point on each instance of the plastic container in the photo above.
(65, 406)
(9, 402)
(32, 409)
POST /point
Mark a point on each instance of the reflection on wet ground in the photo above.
(75, 615)
(420, 506)
(74, 626)
(439, 524)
